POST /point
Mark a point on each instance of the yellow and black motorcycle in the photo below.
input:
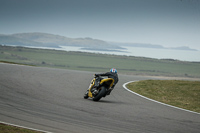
(104, 87)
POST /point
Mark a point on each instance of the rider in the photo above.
(112, 74)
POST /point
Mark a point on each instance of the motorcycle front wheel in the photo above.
(86, 95)
(101, 93)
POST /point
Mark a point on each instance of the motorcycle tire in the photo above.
(101, 93)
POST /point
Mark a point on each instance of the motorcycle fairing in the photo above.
(108, 82)
(91, 85)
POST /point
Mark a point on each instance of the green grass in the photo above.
(11, 129)
(183, 94)
(99, 62)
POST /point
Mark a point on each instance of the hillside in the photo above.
(12, 40)
(50, 40)
(155, 46)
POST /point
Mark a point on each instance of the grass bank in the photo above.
(183, 94)
(11, 129)
(99, 62)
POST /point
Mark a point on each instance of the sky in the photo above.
(171, 23)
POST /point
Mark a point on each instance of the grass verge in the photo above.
(179, 93)
(12, 129)
(99, 62)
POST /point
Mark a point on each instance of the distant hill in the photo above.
(50, 40)
(183, 48)
(146, 45)
(55, 41)
(141, 45)
(12, 40)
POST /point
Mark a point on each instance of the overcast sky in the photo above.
(164, 22)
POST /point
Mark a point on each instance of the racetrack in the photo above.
(52, 100)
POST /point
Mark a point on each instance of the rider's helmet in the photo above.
(113, 70)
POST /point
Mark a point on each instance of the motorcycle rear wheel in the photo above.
(101, 93)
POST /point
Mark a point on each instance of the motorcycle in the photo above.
(104, 88)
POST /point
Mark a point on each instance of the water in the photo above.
(182, 55)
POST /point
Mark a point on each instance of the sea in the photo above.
(182, 55)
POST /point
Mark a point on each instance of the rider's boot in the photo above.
(109, 91)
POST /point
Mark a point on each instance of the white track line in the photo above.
(124, 85)
(24, 127)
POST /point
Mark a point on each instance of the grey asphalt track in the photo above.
(52, 100)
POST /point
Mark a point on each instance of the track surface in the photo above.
(52, 100)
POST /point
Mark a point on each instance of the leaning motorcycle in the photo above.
(104, 87)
